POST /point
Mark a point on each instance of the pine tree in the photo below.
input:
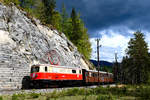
(27, 5)
(48, 10)
(137, 64)
(83, 44)
(64, 19)
(76, 27)
(56, 20)
(127, 70)
(38, 10)
(45, 11)
(79, 35)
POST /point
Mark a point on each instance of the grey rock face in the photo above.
(24, 43)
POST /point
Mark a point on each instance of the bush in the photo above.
(7, 2)
(119, 91)
(54, 94)
(84, 91)
(1, 98)
(34, 95)
(72, 92)
(100, 90)
(104, 97)
(145, 93)
(15, 97)
(77, 91)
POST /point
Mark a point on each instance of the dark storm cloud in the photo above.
(102, 14)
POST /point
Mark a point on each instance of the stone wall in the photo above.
(24, 43)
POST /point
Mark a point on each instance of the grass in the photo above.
(100, 93)
(18, 97)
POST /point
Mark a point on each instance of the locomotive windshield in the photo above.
(34, 69)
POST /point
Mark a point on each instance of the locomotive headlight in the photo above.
(34, 75)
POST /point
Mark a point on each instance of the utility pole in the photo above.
(98, 58)
(116, 57)
(116, 68)
(98, 63)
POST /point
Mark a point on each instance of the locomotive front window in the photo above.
(73, 71)
(34, 69)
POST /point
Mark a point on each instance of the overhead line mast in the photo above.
(98, 58)
(98, 63)
(116, 57)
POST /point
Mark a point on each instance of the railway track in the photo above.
(48, 90)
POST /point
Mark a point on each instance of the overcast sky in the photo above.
(114, 21)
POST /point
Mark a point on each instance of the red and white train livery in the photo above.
(45, 75)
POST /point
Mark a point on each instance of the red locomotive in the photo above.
(48, 75)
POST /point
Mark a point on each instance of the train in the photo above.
(45, 75)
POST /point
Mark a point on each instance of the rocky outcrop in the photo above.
(24, 42)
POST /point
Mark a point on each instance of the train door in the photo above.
(84, 75)
(45, 72)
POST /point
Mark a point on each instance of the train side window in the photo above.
(73, 71)
(93, 74)
(96, 74)
(90, 74)
(79, 71)
(99, 74)
(103, 75)
(86, 74)
(45, 68)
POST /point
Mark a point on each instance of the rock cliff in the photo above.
(24, 42)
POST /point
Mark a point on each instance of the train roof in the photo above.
(99, 71)
(57, 66)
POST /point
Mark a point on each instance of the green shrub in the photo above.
(118, 91)
(72, 92)
(62, 93)
(8, 2)
(84, 92)
(15, 97)
(77, 91)
(1, 98)
(34, 95)
(54, 94)
(100, 90)
(104, 97)
(124, 90)
(145, 93)
(110, 97)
